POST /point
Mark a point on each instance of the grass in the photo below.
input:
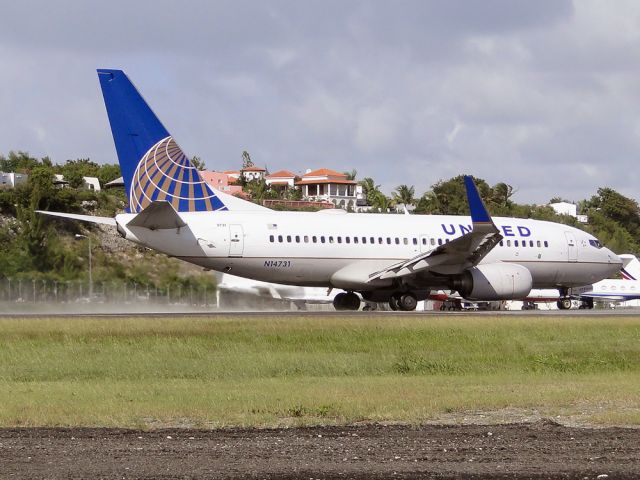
(270, 371)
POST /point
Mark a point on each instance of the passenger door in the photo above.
(572, 246)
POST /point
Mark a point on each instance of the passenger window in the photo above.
(271, 239)
(508, 243)
(372, 239)
(330, 239)
(297, 238)
(502, 243)
(424, 241)
(515, 243)
(314, 239)
(433, 241)
(415, 241)
(347, 239)
(364, 239)
(306, 239)
(538, 243)
(288, 238)
(280, 238)
(397, 241)
(439, 241)
(405, 241)
(388, 241)
(531, 243)
(380, 240)
(322, 239)
(355, 239)
(546, 244)
(339, 239)
(524, 243)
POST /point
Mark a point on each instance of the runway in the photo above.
(122, 313)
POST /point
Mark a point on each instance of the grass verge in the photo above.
(270, 371)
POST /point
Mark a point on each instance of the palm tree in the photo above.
(370, 189)
(382, 202)
(351, 175)
(404, 194)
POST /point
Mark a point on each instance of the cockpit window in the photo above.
(595, 243)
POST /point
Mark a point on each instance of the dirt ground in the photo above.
(536, 450)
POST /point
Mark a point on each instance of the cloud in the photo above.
(541, 95)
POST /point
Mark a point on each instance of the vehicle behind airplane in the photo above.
(397, 259)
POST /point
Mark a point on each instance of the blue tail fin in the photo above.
(153, 165)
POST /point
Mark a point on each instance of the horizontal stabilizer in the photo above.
(82, 218)
(158, 215)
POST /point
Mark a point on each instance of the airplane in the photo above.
(397, 259)
(609, 289)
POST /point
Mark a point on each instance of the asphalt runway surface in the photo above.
(541, 450)
(116, 313)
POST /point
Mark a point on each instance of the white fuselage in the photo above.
(315, 249)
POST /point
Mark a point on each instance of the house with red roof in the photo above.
(281, 179)
(253, 173)
(330, 186)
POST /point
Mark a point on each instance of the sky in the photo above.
(543, 95)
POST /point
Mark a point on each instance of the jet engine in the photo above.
(494, 281)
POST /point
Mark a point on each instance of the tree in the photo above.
(404, 194)
(382, 202)
(370, 189)
(351, 175)
(450, 198)
(198, 163)
(246, 160)
(501, 194)
(108, 172)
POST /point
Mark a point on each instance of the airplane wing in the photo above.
(457, 255)
(82, 218)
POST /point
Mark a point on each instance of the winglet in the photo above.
(479, 213)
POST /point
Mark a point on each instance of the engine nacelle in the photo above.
(494, 281)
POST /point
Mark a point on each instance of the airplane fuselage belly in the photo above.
(300, 248)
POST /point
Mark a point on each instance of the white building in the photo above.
(11, 180)
(91, 183)
(88, 183)
(565, 208)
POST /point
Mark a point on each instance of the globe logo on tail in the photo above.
(166, 174)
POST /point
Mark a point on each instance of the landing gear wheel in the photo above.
(586, 304)
(393, 303)
(407, 302)
(564, 303)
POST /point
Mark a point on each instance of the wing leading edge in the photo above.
(457, 255)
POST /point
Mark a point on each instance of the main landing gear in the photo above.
(405, 301)
(564, 303)
(346, 301)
